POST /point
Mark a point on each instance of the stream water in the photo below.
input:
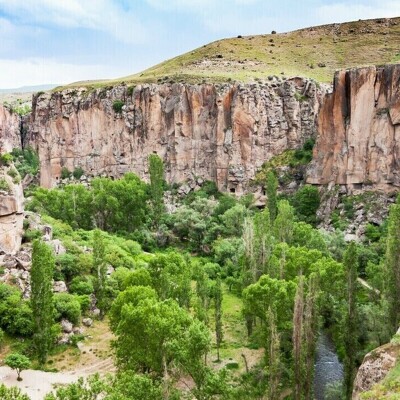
(328, 368)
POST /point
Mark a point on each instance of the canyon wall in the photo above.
(358, 142)
(10, 124)
(11, 212)
(222, 133)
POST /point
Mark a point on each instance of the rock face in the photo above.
(375, 367)
(359, 130)
(10, 124)
(221, 133)
(11, 212)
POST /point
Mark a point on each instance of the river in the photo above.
(328, 368)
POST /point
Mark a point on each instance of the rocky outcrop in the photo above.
(222, 133)
(11, 211)
(374, 368)
(359, 131)
(10, 124)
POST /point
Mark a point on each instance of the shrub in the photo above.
(81, 285)
(26, 161)
(67, 306)
(12, 172)
(130, 90)
(117, 106)
(4, 185)
(65, 173)
(78, 172)
(6, 159)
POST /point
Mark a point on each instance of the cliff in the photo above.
(10, 124)
(222, 133)
(11, 211)
(359, 130)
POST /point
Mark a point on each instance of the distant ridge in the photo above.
(30, 89)
(314, 52)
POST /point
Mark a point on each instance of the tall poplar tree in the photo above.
(271, 188)
(350, 326)
(42, 298)
(218, 314)
(156, 171)
(100, 269)
(392, 266)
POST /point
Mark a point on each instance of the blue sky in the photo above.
(61, 41)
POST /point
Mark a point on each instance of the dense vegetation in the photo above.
(165, 305)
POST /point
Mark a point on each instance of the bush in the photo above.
(6, 159)
(117, 106)
(26, 161)
(78, 172)
(81, 285)
(65, 173)
(306, 202)
(4, 185)
(67, 306)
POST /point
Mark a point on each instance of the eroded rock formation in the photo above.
(374, 368)
(11, 212)
(359, 130)
(221, 133)
(9, 130)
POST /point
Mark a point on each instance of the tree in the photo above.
(392, 266)
(284, 222)
(273, 352)
(156, 188)
(298, 339)
(42, 298)
(306, 202)
(271, 187)
(218, 314)
(262, 242)
(351, 323)
(310, 331)
(12, 393)
(19, 362)
(100, 269)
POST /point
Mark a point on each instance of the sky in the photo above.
(63, 41)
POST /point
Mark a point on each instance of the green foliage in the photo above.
(170, 274)
(42, 298)
(78, 172)
(65, 173)
(271, 188)
(392, 266)
(67, 306)
(306, 202)
(100, 270)
(15, 313)
(17, 361)
(12, 393)
(113, 206)
(26, 161)
(6, 159)
(156, 187)
(81, 285)
(117, 106)
(4, 185)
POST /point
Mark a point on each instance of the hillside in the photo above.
(314, 52)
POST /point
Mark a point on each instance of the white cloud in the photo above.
(342, 12)
(101, 15)
(37, 71)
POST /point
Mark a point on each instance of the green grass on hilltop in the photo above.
(314, 52)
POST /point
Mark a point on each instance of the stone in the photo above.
(66, 326)
(87, 322)
(60, 287)
(57, 247)
(375, 366)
